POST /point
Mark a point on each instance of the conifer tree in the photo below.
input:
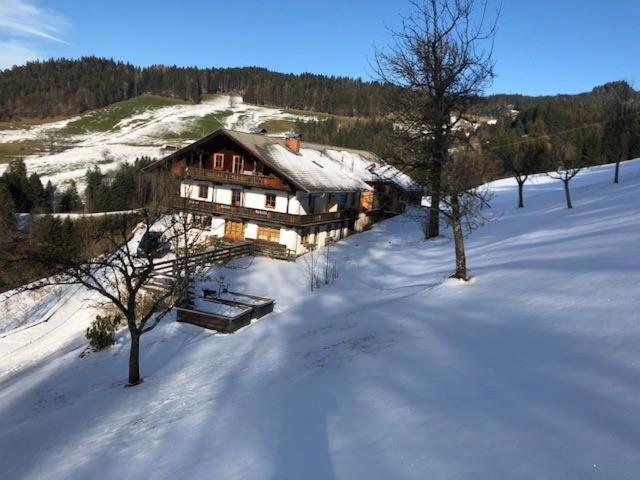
(69, 200)
(37, 194)
(7, 214)
(15, 177)
(49, 197)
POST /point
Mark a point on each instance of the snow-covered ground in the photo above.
(529, 371)
(140, 134)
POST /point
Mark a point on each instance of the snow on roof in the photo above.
(316, 168)
(371, 168)
(319, 167)
(401, 180)
(313, 170)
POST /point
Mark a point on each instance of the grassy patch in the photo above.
(198, 127)
(11, 151)
(307, 113)
(278, 126)
(105, 119)
(27, 123)
(208, 96)
(341, 119)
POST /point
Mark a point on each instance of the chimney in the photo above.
(292, 142)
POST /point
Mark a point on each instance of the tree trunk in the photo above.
(520, 196)
(567, 194)
(616, 176)
(134, 360)
(458, 237)
(434, 211)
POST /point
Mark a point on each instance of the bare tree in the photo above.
(125, 276)
(465, 197)
(620, 104)
(330, 266)
(439, 64)
(567, 165)
(520, 156)
(311, 262)
(320, 267)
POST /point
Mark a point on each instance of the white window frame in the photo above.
(237, 159)
(217, 156)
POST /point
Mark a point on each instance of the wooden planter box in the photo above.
(214, 315)
(260, 306)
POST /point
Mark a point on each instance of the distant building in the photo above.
(292, 194)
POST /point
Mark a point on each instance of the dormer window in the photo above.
(218, 161)
(238, 164)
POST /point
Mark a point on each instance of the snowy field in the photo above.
(528, 372)
(142, 133)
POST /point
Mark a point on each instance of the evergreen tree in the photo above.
(7, 214)
(49, 197)
(96, 196)
(63, 86)
(37, 194)
(123, 188)
(15, 177)
(69, 200)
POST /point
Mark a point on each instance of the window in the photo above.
(268, 234)
(270, 200)
(238, 164)
(236, 197)
(218, 161)
(202, 221)
(203, 191)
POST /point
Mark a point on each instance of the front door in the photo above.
(234, 230)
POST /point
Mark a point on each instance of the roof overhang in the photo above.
(221, 132)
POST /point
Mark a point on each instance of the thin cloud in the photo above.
(13, 52)
(24, 19)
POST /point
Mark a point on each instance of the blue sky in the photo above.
(542, 47)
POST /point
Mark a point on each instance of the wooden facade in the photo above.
(225, 161)
(247, 187)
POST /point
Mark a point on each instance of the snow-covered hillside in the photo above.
(143, 132)
(529, 371)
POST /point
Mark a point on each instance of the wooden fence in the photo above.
(172, 267)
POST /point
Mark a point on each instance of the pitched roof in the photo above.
(316, 168)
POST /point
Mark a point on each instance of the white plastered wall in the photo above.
(256, 198)
(217, 226)
(191, 189)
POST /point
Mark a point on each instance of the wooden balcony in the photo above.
(264, 215)
(272, 183)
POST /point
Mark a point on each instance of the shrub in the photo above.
(100, 332)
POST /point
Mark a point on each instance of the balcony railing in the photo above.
(265, 215)
(273, 183)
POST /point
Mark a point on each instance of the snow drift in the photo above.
(529, 371)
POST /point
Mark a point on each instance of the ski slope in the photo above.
(530, 371)
(140, 134)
